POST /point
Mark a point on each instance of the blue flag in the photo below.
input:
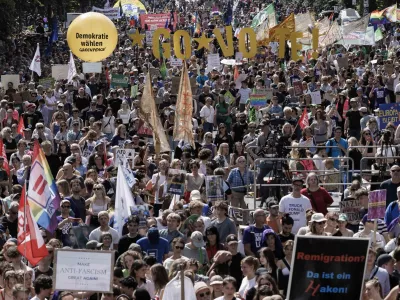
(53, 36)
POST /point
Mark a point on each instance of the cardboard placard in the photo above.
(329, 96)
(59, 72)
(154, 72)
(47, 82)
(343, 62)
(389, 69)
(213, 61)
(5, 79)
(215, 188)
(175, 62)
(175, 85)
(149, 36)
(352, 208)
(320, 271)
(376, 204)
(176, 181)
(91, 67)
(83, 270)
(298, 88)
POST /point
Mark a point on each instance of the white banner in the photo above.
(112, 12)
(59, 72)
(91, 67)
(149, 36)
(84, 270)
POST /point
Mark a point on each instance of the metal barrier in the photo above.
(363, 171)
(258, 161)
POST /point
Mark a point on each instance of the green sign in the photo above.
(118, 80)
(47, 82)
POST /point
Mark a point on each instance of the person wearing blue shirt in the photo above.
(201, 79)
(340, 149)
(154, 245)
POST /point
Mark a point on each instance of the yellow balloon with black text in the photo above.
(92, 37)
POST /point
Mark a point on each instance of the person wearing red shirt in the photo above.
(319, 197)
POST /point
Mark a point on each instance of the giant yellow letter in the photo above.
(315, 38)
(187, 50)
(252, 42)
(281, 33)
(156, 43)
(227, 49)
(295, 45)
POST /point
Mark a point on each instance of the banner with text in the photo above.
(389, 113)
(112, 12)
(320, 271)
(83, 270)
(154, 21)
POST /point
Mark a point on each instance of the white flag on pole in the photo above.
(123, 201)
(35, 64)
(71, 68)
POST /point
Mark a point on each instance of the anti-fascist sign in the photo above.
(84, 270)
(327, 268)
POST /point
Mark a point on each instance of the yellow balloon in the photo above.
(92, 37)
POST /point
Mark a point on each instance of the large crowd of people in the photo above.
(280, 177)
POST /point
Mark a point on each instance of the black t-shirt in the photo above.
(354, 118)
(115, 105)
(284, 238)
(54, 163)
(82, 102)
(78, 206)
(239, 129)
(203, 96)
(126, 241)
(12, 226)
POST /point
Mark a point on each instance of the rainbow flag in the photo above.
(43, 196)
(378, 17)
(391, 13)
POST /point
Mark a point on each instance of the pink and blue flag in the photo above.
(43, 196)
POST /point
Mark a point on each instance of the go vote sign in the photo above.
(327, 268)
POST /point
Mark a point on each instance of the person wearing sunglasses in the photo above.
(391, 185)
(317, 225)
(177, 245)
(202, 290)
(368, 232)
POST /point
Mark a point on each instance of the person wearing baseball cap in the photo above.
(367, 232)
(195, 249)
(154, 245)
(296, 199)
(216, 284)
(342, 230)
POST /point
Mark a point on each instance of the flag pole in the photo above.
(25, 196)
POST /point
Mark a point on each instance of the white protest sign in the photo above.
(175, 62)
(112, 12)
(125, 157)
(316, 97)
(91, 67)
(238, 57)
(83, 270)
(70, 18)
(238, 81)
(149, 36)
(59, 72)
(5, 79)
(213, 61)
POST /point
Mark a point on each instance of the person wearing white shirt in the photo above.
(103, 221)
(367, 232)
(207, 114)
(296, 205)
